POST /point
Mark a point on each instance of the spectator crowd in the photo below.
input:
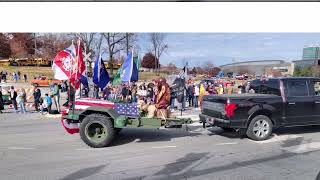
(141, 93)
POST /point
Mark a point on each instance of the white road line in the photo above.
(162, 147)
(20, 148)
(231, 143)
(89, 149)
(276, 138)
(195, 124)
(303, 148)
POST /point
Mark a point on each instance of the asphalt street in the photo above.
(37, 147)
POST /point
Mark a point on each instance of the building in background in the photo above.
(310, 57)
(259, 68)
(311, 52)
(306, 63)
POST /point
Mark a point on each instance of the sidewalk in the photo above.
(192, 113)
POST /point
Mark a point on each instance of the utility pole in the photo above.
(35, 44)
(35, 49)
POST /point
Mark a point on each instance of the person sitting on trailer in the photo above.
(163, 98)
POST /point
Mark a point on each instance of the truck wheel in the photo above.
(97, 131)
(260, 128)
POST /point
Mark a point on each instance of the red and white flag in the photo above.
(69, 65)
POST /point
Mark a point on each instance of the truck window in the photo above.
(297, 88)
(266, 87)
(315, 88)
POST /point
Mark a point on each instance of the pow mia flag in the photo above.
(177, 89)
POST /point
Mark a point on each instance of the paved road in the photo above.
(36, 147)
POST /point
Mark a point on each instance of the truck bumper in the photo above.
(214, 121)
(71, 128)
(223, 122)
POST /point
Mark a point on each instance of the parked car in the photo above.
(44, 81)
(278, 102)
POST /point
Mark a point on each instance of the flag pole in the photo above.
(76, 78)
(129, 81)
(70, 73)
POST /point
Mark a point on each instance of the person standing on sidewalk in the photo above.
(190, 94)
(25, 78)
(56, 96)
(196, 96)
(36, 97)
(1, 101)
(21, 100)
(13, 96)
(15, 77)
(48, 100)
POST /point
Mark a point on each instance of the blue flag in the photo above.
(100, 74)
(84, 80)
(129, 70)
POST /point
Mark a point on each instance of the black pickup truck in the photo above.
(277, 102)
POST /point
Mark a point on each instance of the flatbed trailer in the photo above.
(98, 122)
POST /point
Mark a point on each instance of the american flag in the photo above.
(127, 109)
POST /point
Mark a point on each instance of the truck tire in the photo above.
(260, 128)
(96, 130)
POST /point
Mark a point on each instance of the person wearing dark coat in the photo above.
(1, 101)
(13, 96)
(36, 97)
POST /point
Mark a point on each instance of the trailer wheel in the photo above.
(260, 128)
(97, 131)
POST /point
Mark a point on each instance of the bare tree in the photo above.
(115, 43)
(98, 43)
(131, 39)
(207, 66)
(158, 45)
(88, 40)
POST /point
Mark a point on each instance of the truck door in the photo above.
(299, 105)
(314, 89)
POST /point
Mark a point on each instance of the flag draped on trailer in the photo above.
(100, 74)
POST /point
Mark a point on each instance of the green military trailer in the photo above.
(98, 122)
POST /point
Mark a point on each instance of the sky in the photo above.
(224, 48)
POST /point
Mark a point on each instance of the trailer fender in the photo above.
(117, 119)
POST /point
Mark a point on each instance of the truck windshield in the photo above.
(266, 87)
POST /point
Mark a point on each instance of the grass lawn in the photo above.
(31, 71)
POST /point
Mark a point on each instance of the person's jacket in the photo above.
(1, 102)
(37, 94)
(13, 95)
(21, 97)
(55, 91)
